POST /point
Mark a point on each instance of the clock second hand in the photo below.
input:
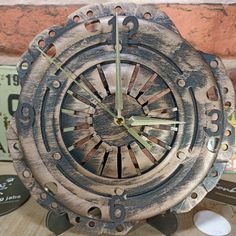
(130, 130)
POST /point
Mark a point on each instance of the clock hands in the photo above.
(118, 93)
(139, 121)
(119, 121)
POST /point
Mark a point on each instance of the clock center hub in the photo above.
(111, 130)
(119, 121)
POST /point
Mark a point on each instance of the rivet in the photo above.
(119, 228)
(24, 65)
(224, 147)
(92, 223)
(76, 19)
(214, 173)
(43, 196)
(181, 83)
(227, 133)
(214, 64)
(194, 195)
(118, 213)
(57, 156)
(26, 174)
(52, 33)
(147, 16)
(25, 111)
(119, 191)
(56, 84)
(54, 205)
(227, 104)
(181, 155)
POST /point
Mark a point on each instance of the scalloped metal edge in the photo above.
(223, 156)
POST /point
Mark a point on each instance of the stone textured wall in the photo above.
(210, 28)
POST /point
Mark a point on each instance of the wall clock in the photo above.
(119, 118)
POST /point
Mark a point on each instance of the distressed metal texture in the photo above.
(79, 161)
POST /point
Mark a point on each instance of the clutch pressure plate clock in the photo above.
(119, 119)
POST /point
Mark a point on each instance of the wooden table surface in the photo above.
(28, 220)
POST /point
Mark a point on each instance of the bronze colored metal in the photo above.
(82, 162)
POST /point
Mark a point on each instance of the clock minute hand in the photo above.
(140, 120)
(118, 93)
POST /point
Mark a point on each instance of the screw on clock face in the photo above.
(81, 85)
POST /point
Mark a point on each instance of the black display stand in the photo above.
(166, 223)
(57, 223)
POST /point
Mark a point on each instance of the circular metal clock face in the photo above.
(119, 118)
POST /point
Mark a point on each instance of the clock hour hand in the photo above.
(71, 76)
(118, 93)
(140, 120)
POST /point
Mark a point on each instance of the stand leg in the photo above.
(57, 223)
(166, 223)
